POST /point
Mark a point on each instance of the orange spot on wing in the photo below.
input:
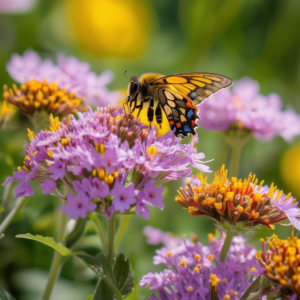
(171, 122)
(193, 122)
(178, 125)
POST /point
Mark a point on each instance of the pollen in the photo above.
(197, 257)
(214, 280)
(152, 151)
(210, 257)
(31, 134)
(64, 142)
(183, 263)
(33, 96)
(190, 288)
(169, 253)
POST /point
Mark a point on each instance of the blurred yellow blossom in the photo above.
(6, 112)
(290, 169)
(114, 28)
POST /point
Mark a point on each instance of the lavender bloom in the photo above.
(70, 74)
(195, 272)
(16, 6)
(108, 161)
(244, 108)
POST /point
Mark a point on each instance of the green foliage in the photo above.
(5, 295)
(123, 275)
(104, 292)
(49, 241)
(117, 280)
(77, 232)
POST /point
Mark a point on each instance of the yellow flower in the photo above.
(114, 28)
(282, 264)
(6, 113)
(290, 169)
(34, 96)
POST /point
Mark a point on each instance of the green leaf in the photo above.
(254, 287)
(1, 209)
(100, 265)
(90, 297)
(123, 275)
(103, 292)
(78, 231)
(5, 295)
(128, 286)
(1, 236)
(64, 251)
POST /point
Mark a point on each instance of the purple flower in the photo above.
(153, 195)
(244, 108)
(69, 73)
(124, 196)
(77, 206)
(193, 269)
(113, 160)
(16, 6)
(48, 186)
(156, 236)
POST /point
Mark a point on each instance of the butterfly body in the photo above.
(176, 96)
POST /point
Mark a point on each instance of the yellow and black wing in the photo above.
(197, 86)
(181, 112)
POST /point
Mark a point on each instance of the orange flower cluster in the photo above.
(282, 265)
(34, 96)
(233, 201)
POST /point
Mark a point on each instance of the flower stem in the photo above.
(121, 230)
(99, 229)
(226, 246)
(58, 260)
(234, 160)
(111, 239)
(17, 207)
(6, 194)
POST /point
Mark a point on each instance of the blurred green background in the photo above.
(236, 38)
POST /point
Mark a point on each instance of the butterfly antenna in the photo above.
(125, 75)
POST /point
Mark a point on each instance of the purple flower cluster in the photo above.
(195, 272)
(108, 161)
(243, 107)
(69, 73)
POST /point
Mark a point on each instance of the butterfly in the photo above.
(176, 96)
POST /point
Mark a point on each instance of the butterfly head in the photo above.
(133, 88)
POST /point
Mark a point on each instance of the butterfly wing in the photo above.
(181, 112)
(196, 86)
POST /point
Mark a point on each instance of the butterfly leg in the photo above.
(158, 114)
(126, 104)
(140, 106)
(150, 112)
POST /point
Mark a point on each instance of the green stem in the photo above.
(226, 247)
(111, 239)
(58, 260)
(17, 207)
(234, 160)
(254, 287)
(99, 229)
(6, 193)
(121, 230)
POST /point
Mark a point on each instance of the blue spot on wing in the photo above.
(190, 113)
(192, 95)
(187, 128)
